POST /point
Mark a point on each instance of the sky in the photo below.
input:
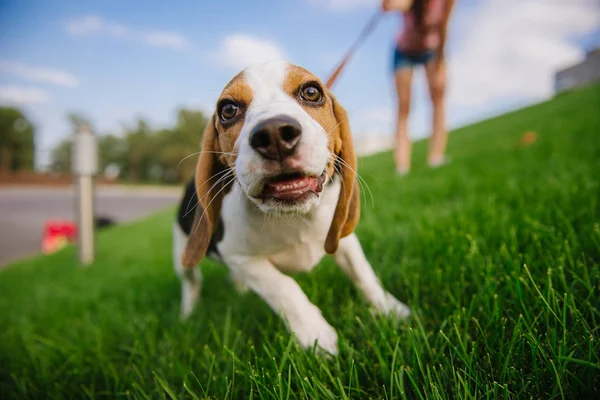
(115, 61)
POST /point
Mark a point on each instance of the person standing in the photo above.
(421, 41)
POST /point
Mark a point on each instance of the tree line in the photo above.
(17, 141)
(140, 154)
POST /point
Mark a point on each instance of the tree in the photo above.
(112, 151)
(78, 121)
(144, 154)
(180, 146)
(60, 158)
(17, 141)
(139, 150)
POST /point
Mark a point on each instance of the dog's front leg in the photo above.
(284, 296)
(191, 278)
(351, 258)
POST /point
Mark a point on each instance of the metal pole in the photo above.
(85, 218)
(85, 165)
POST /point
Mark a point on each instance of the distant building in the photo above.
(582, 74)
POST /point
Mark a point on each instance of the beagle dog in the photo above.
(275, 190)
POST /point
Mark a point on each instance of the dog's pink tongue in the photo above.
(292, 188)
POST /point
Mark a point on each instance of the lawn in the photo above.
(497, 254)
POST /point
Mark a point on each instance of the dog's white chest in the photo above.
(292, 243)
(303, 253)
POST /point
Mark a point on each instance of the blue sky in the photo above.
(116, 60)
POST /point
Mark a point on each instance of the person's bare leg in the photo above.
(403, 145)
(436, 77)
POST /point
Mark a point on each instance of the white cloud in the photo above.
(514, 47)
(18, 95)
(345, 5)
(166, 39)
(94, 24)
(238, 51)
(39, 74)
(85, 25)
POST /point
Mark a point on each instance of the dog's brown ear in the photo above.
(210, 179)
(347, 211)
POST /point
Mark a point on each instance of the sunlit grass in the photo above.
(496, 253)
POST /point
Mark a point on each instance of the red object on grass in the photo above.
(57, 234)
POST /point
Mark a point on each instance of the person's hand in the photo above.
(396, 5)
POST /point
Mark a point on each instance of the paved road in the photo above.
(23, 211)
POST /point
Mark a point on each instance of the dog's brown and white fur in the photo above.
(276, 190)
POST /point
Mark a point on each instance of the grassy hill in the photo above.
(497, 254)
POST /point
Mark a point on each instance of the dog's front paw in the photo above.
(239, 283)
(240, 286)
(189, 299)
(390, 305)
(191, 283)
(313, 328)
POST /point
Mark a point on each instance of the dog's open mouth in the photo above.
(292, 187)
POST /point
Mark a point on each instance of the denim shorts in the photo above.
(404, 59)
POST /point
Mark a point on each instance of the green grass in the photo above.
(497, 253)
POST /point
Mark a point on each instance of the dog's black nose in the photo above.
(276, 138)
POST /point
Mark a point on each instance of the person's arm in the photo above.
(396, 5)
(444, 29)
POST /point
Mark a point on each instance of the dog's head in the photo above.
(282, 135)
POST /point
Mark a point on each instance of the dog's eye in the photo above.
(311, 94)
(229, 111)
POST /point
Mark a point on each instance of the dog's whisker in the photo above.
(361, 184)
(358, 176)
(225, 176)
(229, 173)
(327, 133)
(225, 171)
(188, 210)
(212, 200)
(212, 177)
(205, 151)
(344, 163)
(186, 157)
(340, 172)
